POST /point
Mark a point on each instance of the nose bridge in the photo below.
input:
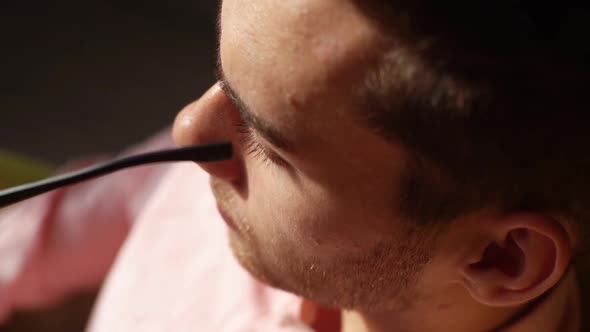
(206, 120)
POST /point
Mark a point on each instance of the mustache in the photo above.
(230, 201)
(220, 191)
(225, 197)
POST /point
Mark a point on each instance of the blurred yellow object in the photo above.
(16, 169)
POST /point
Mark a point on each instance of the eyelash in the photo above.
(254, 148)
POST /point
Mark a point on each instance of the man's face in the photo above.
(317, 215)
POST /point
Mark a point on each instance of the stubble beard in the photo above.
(381, 280)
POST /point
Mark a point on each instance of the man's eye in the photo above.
(254, 148)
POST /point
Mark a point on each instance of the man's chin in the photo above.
(247, 258)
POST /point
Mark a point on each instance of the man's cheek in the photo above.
(303, 215)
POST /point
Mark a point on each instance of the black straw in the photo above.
(200, 153)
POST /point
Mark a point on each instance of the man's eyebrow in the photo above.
(262, 127)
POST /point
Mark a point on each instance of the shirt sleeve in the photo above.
(67, 239)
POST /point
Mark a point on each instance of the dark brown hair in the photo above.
(491, 100)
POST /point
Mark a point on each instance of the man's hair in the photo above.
(491, 99)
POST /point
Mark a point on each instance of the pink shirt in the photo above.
(172, 271)
(176, 271)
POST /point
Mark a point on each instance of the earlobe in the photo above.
(527, 255)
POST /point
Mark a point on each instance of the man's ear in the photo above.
(525, 255)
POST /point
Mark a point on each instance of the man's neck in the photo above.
(559, 312)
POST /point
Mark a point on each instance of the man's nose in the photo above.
(211, 118)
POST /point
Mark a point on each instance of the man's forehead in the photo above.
(294, 49)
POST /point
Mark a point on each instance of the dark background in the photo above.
(94, 76)
(86, 77)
